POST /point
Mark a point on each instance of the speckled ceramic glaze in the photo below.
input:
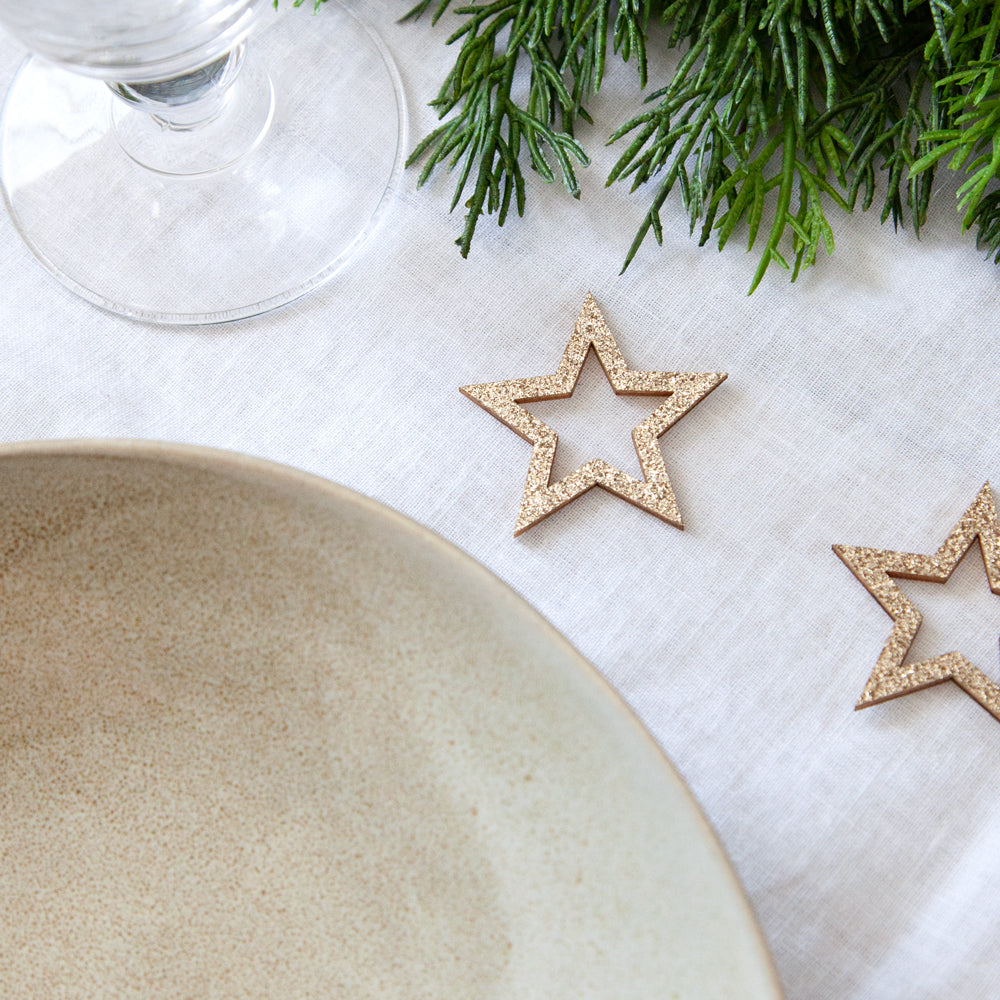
(262, 738)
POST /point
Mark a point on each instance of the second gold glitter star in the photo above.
(877, 568)
(684, 390)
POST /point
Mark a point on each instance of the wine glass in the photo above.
(196, 161)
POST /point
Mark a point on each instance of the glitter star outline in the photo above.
(541, 496)
(875, 569)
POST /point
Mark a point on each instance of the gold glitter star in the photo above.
(875, 567)
(543, 497)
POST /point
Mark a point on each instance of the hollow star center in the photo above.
(594, 422)
(962, 615)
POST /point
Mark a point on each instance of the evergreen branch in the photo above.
(566, 63)
(817, 102)
(966, 130)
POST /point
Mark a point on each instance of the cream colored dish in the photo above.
(262, 738)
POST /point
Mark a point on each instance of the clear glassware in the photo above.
(196, 161)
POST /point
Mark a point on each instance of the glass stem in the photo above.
(188, 101)
(196, 123)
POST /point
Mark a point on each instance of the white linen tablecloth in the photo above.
(862, 407)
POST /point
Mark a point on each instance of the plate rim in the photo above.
(278, 473)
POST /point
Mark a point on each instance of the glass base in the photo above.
(232, 242)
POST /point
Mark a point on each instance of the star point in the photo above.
(542, 497)
(877, 568)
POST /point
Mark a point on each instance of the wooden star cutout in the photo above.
(875, 569)
(543, 497)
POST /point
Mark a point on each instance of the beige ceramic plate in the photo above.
(262, 738)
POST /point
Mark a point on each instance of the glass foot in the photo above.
(219, 244)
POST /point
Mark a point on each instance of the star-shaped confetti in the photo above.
(684, 390)
(875, 568)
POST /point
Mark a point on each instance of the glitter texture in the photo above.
(875, 568)
(543, 497)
